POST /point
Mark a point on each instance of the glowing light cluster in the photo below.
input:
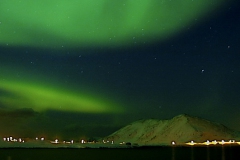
(55, 141)
(12, 139)
(42, 138)
(214, 142)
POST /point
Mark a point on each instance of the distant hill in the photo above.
(182, 128)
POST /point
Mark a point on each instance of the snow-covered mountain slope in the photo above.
(181, 129)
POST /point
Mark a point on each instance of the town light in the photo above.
(191, 143)
(214, 142)
(207, 142)
(222, 142)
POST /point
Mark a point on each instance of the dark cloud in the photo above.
(55, 124)
(17, 113)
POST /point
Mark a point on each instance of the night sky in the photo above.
(87, 68)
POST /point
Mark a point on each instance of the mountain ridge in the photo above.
(181, 129)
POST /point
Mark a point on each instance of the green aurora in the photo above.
(41, 98)
(86, 23)
(57, 24)
(21, 87)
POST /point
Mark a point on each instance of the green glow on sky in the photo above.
(40, 98)
(61, 23)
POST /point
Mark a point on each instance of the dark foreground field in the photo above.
(160, 153)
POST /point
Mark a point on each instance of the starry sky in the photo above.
(87, 68)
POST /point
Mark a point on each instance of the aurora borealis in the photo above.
(56, 24)
(40, 99)
(86, 68)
